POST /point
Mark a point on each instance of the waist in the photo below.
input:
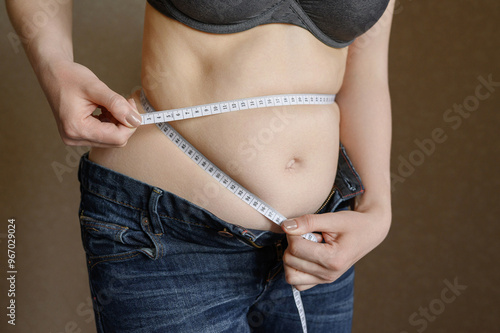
(287, 156)
(135, 198)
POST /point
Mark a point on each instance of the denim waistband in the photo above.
(134, 194)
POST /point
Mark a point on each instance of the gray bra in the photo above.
(334, 22)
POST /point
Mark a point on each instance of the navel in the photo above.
(291, 164)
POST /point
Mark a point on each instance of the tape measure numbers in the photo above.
(230, 106)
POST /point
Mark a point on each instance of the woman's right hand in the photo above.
(74, 92)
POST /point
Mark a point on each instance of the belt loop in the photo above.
(153, 210)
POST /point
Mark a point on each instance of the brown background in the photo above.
(445, 222)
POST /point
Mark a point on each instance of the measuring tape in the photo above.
(161, 119)
(230, 106)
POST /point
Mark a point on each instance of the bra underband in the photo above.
(334, 22)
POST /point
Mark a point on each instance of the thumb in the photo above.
(301, 225)
(122, 110)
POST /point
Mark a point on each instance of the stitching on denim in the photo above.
(114, 259)
(149, 231)
(88, 221)
(142, 210)
(156, 242)
(97, 310)
(163, 251)
(350, 195)
(104, 224)
(188, 222)
(115, 201)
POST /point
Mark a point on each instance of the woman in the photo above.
(169, 248)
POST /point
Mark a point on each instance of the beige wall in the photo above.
(445, 224)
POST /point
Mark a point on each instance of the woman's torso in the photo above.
(285, 155)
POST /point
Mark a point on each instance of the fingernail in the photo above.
(134, 119)
(290, 224)
(132, 101)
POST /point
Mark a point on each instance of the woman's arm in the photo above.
(72, 90)
(365, 121)
(365, 131)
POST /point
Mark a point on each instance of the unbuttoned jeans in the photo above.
(159, 263)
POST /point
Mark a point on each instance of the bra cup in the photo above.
(223, 11)
(344, 20)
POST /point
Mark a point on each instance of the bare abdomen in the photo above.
(285, 155)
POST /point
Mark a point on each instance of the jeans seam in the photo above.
(115, 201)
(156, 241)
(114, 259)
(105, 224)
(95, 307)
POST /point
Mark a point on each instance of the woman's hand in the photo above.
(74, 92)
(345, 237)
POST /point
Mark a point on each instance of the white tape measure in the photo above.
(161, 119)
(229, 106)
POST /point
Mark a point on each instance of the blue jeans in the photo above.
(159, 263)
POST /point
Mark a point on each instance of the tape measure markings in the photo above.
(221, 177)
(154, 117)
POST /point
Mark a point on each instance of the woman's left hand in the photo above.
(345, 237)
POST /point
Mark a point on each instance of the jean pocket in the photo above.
(106, 241)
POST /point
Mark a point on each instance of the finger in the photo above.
(303, 280)
(319, 237)
(319, 253)
(107, 133)
(93, 132)
(320, 269)
(107, 116)
(85, 143)
(300, 279)
(125, 111)
(328, 222)
(303, 287)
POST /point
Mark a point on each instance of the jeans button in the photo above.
(225, 233)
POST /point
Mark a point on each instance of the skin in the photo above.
(289, 163)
